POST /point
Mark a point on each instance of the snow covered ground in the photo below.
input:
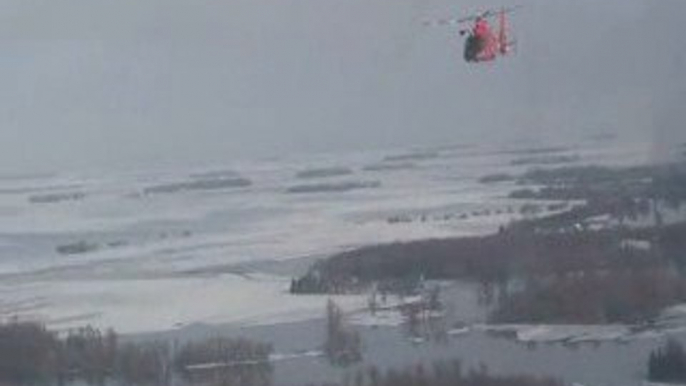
(154, 304)
(105, 249)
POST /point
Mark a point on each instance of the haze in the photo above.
(156, 83)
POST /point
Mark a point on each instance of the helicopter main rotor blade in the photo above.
(452, 21)
(457, 21)
(495, 12)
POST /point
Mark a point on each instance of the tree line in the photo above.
(555, 260)
(441, 373)
(30, 354)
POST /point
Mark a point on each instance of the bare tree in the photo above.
(343, 346)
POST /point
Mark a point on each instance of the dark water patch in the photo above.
(76, 248)
(333, 187)
(496, 177)
(545, 160)
(389, 166)
(215, 174)
(536, 150)
(54, 198)
(324, 172)
(414, 156)
(199, 185)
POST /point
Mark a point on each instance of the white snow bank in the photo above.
(559, 333)
(276, 357)
(459, 331)
(132, 306)
(572, 333)
(385, 318)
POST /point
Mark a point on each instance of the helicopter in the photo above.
(483, 43)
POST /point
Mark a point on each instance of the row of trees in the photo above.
(556, 257)
(641, 269)
(225, 362)
(624, 193)
(32, 355)
(558, 269)
(343, 345)
(627, 296)
(439, 374)
(487, 259)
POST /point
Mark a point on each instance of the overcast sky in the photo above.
(124, 83)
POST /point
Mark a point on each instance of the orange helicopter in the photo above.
(483, 43)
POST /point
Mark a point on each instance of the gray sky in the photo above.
(104, 83)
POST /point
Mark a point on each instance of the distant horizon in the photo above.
(200, 164)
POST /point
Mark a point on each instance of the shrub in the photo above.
(668, 363)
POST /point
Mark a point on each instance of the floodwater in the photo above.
(601, 363)
(607, 359)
